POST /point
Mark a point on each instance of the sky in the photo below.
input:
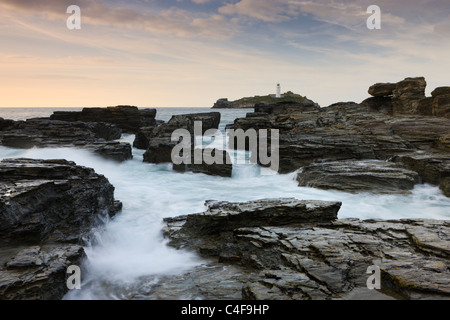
(189, 53)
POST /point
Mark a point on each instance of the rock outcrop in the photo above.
(51, 200)
(441, 102)
(389, 126)
(38, 273)
(223, 103)
(288, 249)
(97, 137)
(445, 186)
(128, 118)
(408, 97)
(47, 209)
(382, 89)
(251, 102)
(214, 162)
(159, 140)
(358, 176)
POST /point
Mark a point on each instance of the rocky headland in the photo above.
(288, 249)
(251, 102)
(393, 128)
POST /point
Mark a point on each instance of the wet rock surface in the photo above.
(396, 123)
(54, 200)
(97, 137)
(159, 145)
(215, 162)
(47, 209)
(309, 259)
(37, 273)
(359, 176)
(127, 118)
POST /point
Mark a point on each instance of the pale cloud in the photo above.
(172, 21)
(201, 1)
(265, 10)
(147, 55)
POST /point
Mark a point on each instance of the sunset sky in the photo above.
(189, 53)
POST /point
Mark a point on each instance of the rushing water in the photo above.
(129, 253)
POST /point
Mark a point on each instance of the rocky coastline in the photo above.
(287, 249)
(266, 249)
(48, 208)
(393, 129)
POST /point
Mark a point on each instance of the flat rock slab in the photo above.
(128, 118)
(97, 137)
(312, 261)
(51, 199)
(358, 176)
(223, 216)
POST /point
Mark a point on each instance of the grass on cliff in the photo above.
(286, 97)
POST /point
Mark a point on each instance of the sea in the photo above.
(129, 253)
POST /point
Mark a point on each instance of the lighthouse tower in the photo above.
(278, 91)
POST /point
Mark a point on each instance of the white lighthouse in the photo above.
(278, 91)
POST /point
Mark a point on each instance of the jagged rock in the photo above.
(445, 186)
(424, 106)
(440, 91)
(441, 106)
(251, 102)
(160, 142)
(38, 273)
(381, 104)
(424, 133)
(128, 118)
(347, 131)
(358, 176)
(286, 107)
(382, 89)
(406, 95)
(214, 162)
(54, 200)
(432, 167)
(159, 151)
(304, 260)
(222, 104)
(42, 132)
(209, 121)
(116, 151)
(47, 210)
(144, 135)
(6, 124)
(223, 217)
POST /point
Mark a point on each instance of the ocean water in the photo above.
(129, 253)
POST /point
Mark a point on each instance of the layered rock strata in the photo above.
(48, 209)
(287, 249)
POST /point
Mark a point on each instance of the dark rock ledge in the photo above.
(47, 209)
(359, 176)
(127, 118)
(157, 141)
(298, 250)
(397, 124)
(97, 137)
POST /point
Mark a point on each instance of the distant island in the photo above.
(250, 102)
